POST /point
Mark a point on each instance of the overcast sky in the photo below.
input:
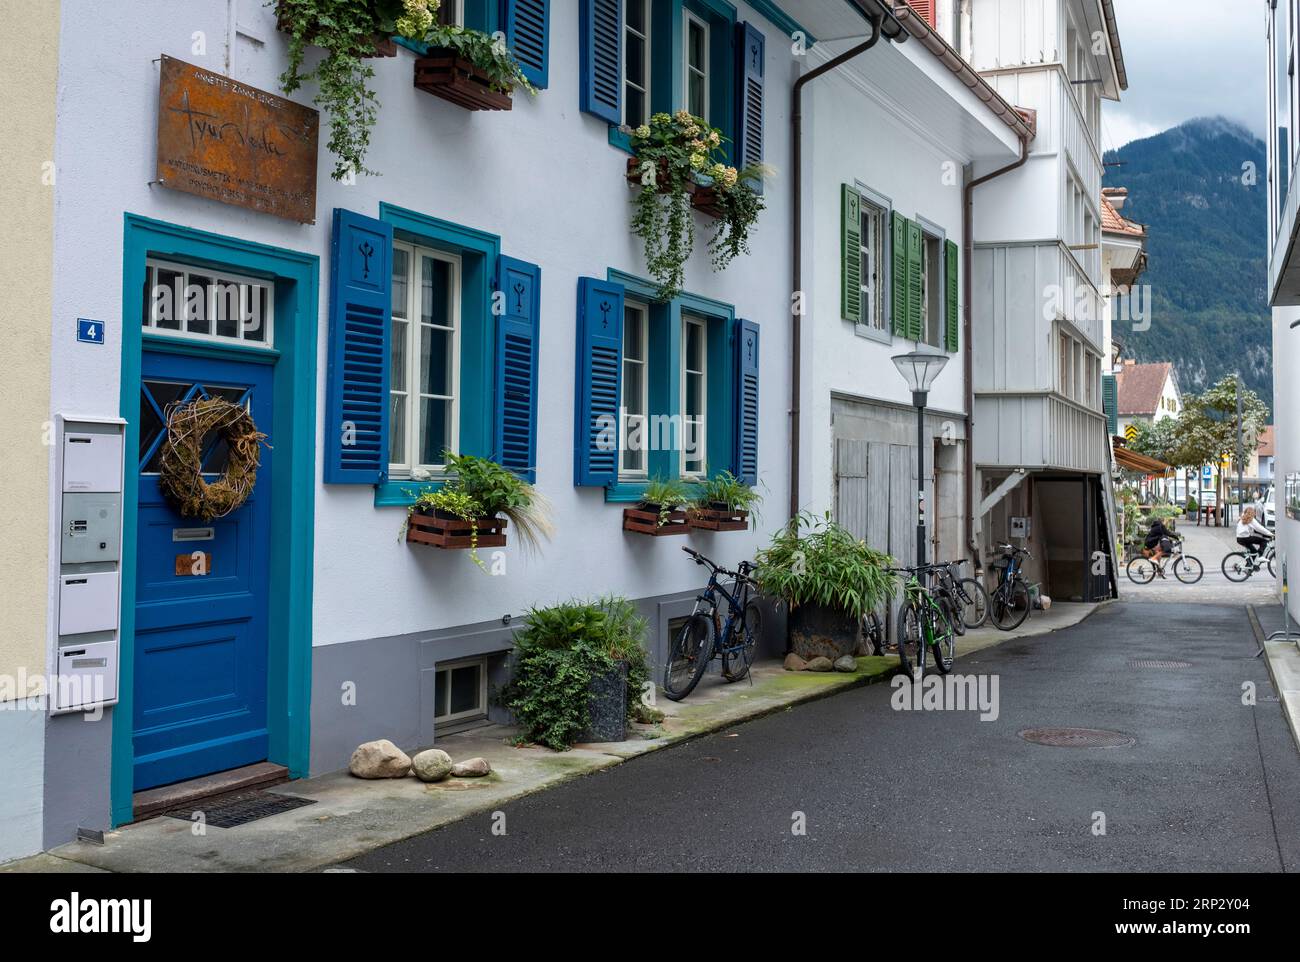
(1185, 59)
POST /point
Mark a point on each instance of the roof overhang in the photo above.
(1132, 461)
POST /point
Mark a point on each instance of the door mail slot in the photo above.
(87, 602)
(85, 677)
(92, 528)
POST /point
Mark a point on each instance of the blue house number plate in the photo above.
(90, 332)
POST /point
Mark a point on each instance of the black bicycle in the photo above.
(1009, 602)
(705, 635)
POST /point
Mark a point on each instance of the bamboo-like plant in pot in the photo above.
(828, 579)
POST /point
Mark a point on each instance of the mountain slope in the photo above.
(1207, 244)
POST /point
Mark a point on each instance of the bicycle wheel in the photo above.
(736, 662)
(1188, 570)
(944, 645)
(1272, 573)
(1236, 567)
(975, 614)
(951, 606)
(873, 632)
(1010, 605)
(1141, 570)
(911, 643)
(688, 656)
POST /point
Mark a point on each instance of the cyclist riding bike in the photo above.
(1159, 542)
(1252, 535)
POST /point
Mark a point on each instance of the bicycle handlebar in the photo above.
(742, 572)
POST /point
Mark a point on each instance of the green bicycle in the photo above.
(925, 620)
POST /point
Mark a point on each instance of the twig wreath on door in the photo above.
(180, 469)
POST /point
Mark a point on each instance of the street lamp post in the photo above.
(919, 370)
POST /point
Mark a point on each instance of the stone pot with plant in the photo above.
(828, 580)
(578, 672)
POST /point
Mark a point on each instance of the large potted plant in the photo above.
(828, 580)
(579, 670)
(679, 165)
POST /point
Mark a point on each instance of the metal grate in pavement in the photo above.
(236, 810)
(1157, 664)
(1077, 738)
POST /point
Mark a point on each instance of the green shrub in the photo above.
(826, 566)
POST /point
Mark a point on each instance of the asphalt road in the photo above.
(1209, 785)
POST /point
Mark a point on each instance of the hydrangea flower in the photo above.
(643, 131)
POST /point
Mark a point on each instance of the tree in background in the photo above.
(1206, 431)
(1157, 439)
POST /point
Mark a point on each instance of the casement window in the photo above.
(216, 307)
(424, 369)
(420, 358)
(932, 292)
(634, 396)
(636, 63)
(694, 380)
(642, 57)
(695, 65)
(681, 377)
(460, 692)
(873, 222)
(451, 13)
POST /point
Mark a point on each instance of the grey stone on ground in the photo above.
(794, 663)
(846, 663)
(820, 663)
(471, 768)
(431, 765)
(379, 759)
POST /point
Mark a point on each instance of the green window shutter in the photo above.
(850, 254)
(915, 244)
(898, 275)
(1110, 402)
(951, 339)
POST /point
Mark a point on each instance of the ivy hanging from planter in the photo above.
(679, 165)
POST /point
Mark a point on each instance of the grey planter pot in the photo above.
(607, 705)
(817, 630)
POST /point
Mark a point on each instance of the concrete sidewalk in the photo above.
(1283, 661)
(351, 816)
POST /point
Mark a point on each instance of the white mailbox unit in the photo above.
(91, 468)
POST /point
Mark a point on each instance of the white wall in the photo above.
(1286, 432)
(543, 176)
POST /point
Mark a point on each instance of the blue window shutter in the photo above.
(746, 459)
(600, 77)
(600, 371)
(528, 32)
(749, 98)
(515, 427)
(356, 413)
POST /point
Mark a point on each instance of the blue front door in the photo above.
(201, 591)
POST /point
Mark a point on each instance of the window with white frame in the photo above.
(932, 314)
(694, 361)
(205, 305)
(873, 232)
(425, 364)
(636, 63)
(696, 64)
(451, 13)
(634, 402)
(460, 691)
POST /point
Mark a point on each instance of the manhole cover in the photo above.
(1077, 738)
(1162, 665)
(240, 809)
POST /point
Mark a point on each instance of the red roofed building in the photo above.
(1146, 392)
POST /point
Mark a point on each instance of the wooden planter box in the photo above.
(661, 181)
(709, 519)
(705, 200)
(384, 46)
(453, 532)
(442, 73)
(647, 522)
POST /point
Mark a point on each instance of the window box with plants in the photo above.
(678, 164)
(469, 68)
(578, 672)
(723, 503)
(828, 580)
(473, 507)
(660, 511)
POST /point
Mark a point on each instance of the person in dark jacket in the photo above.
(1159, 541)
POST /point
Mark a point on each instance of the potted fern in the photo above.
(659, 510)
(723, 503)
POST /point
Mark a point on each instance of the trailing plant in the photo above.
(500, 491)
(488, 53)
(816, 561)
(725, 488)
(558, 651)
(666, 496)
(453, 500)
(672, 152)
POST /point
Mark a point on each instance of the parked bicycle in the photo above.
(1240, 565)
(969, 595)
(706, 636)
(926, 620)
(1009, 602)
(1144, 568)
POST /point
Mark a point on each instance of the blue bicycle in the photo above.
(705, 635)
(1009, 602)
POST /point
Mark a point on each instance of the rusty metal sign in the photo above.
(224, 140)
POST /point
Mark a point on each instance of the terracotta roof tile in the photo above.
(1113, 223)
(1266, 449)
(1140, 386)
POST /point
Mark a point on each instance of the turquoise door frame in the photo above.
(293, 491)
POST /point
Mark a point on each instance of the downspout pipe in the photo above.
(968, 257)
(796, 328)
